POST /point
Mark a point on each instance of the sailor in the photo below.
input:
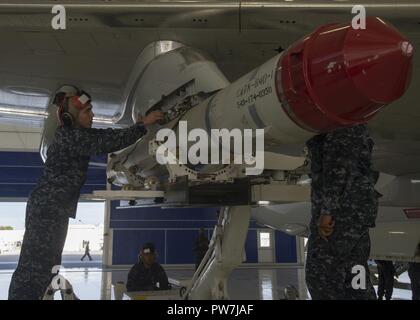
(386, 273)
(344, 207)
(147, 274)
(54, 199)
(201, 245)
(414, 274)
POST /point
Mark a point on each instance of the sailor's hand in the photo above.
(151, 118)
(325, 226)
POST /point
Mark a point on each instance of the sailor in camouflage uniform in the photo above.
(344, 207)
(54, 199)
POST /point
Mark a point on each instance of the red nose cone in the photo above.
(379, 61)
(339, 76)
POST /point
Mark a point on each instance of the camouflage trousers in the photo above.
(42, 247)
(329, 265)
(414, 274)
(386, 283)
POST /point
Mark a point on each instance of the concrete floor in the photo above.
(91, 282)
(244, 284)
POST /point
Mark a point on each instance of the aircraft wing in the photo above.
(102, 41)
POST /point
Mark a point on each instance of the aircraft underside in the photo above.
(284, 72)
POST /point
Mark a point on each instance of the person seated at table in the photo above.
(147, 274)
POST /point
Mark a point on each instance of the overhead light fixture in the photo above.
(28, 91)
(164, 46)
(27, 112)
(22, 112)
(106, 120)
(304, 181)
(295, 229)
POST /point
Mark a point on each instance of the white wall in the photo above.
(79, 233)
(74, 243)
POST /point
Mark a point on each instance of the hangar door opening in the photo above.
(266, 246)
(87, 227)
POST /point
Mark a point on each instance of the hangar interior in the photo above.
(173, 231)
(268, 66)
(263, 275)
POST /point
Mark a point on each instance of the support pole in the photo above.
(226, 252)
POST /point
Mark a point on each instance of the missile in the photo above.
(334, 77)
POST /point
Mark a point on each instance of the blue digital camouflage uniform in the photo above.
(54, 200)
(386, 273)
(414, 274)
(343, 187)
(141, 278)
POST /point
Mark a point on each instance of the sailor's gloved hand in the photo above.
(151, 118)
(325, 226)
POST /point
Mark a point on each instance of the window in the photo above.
(265, 240)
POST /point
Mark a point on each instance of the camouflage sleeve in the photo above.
(132, 280)
(163, 280)
(342, 151)
(102, 141)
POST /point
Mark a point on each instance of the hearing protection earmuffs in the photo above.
(79, 98)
